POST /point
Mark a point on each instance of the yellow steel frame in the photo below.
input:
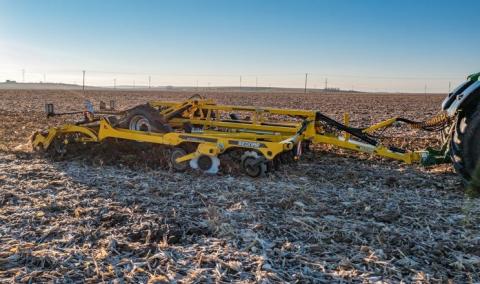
(270, 138)
(260, 128)
(212, 144)
(43, 140)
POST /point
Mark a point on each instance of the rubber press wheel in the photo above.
(465, 143)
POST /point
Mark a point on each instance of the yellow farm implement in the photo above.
(198, 131)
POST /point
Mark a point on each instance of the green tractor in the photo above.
(463, 107)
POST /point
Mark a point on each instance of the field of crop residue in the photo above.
(333, 216)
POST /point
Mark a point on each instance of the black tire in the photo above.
(254, 166)
(144, 118)
(465, 143)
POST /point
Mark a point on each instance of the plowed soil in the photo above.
(334, 216)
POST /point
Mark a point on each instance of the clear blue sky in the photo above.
(368, 45)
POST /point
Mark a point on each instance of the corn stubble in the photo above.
(119, 214)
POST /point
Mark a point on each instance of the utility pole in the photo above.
(149, 81)
(256, 82)
(23, 75)
(306, 79)
(326, 84)
(115, 83)
(449, 87)
(83, 84)
(240, 81)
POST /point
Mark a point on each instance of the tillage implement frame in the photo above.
(198, 131)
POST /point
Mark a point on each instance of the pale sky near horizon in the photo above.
(370, 45)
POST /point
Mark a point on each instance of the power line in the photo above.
(374, 76)
(283, 79)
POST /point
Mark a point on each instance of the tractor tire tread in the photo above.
(464, 144)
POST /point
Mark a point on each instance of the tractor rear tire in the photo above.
(465, 143)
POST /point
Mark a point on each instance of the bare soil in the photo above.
(334, 216)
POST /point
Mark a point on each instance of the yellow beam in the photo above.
(234, 125)
(408, 157)
(380, 125)
(207, 106)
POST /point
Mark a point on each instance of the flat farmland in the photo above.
(333, 216)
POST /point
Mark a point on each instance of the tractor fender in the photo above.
(464, 95)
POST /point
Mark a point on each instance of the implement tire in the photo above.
(144, 118)
(465, 143)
